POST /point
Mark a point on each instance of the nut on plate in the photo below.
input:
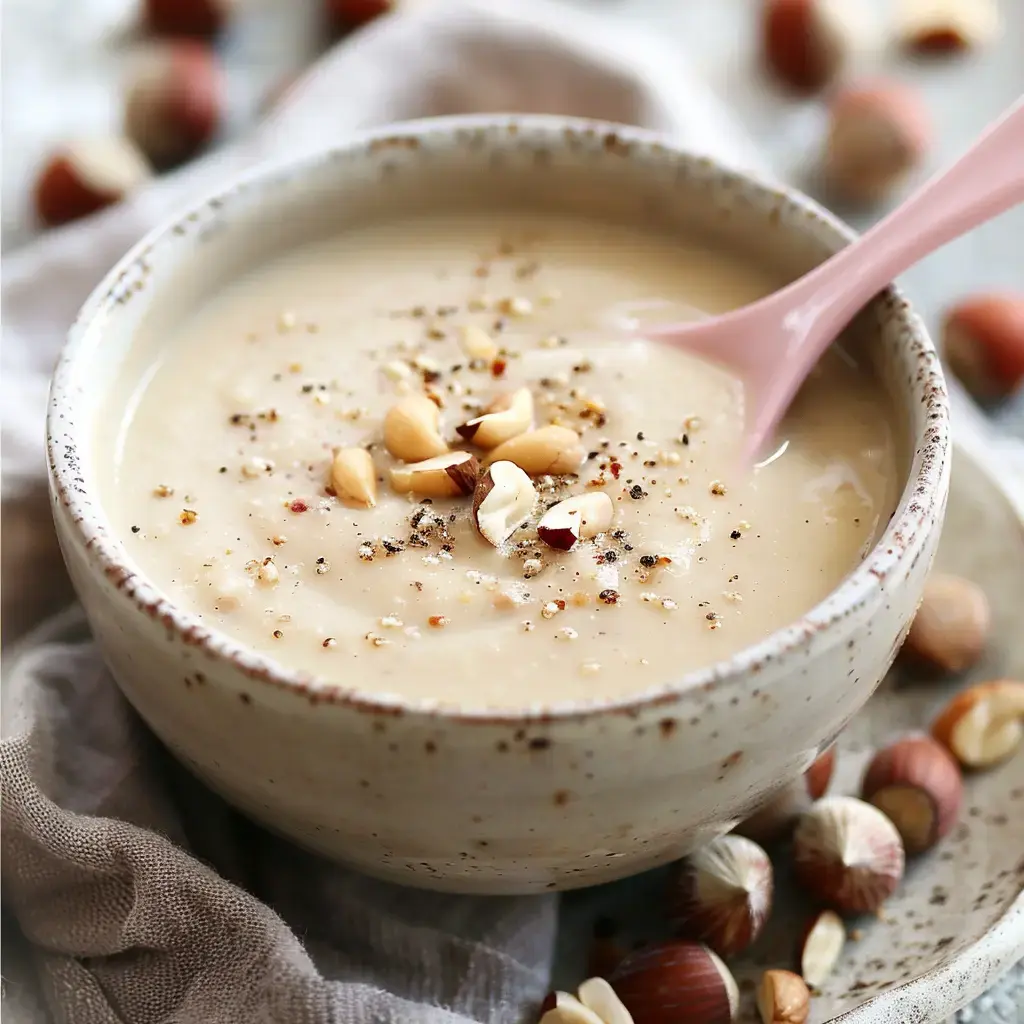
(722, 894)
(354, 477)
(551, 449)
(917, 785)
(777, 817)
(412, 429)
(199, 18)
(783, 998)
(87, 175)
(946, 26)
(983, 342)
(174, 101)
(506, 417)
(820, 946)
(582, 516)
(878, 133)
(848, 855)
(806, 43)
(983, 724)
(477, 343)
(677, 983)
(451, 475)
(951, 627)
(502, 501)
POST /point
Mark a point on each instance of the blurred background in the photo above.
(75, 68)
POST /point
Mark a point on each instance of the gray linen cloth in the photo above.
(131, 895)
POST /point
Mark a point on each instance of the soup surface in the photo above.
(222, 485)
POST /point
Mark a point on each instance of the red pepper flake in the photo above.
(498, 368)
(615, 469)
(438, 621)
(609, 596)
(561, 605)
(298, 505)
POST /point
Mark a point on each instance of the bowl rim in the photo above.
(913, 518)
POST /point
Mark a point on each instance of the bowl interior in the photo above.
(536, 163)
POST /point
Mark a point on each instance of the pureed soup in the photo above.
(324, 463)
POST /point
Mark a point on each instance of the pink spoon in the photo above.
(773, 343)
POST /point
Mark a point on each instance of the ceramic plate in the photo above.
(957, 921)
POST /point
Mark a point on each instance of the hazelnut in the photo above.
(848, 854)
(597, 995)
(677, 983)
(502, 502)
(878, 133)
(983, 724)
(581, 516)
(916, 784)
(451, 475)
(777, 817)
(951, 627)
(412, 430)
(722, 894)
(200, 18)
(174, 101)
(820, 946)
(353, 477)
(347, 14)
(806, 43)
(782, 998)
(983, 342)
(947, 26)
(552, 449)
(86, 176)
(565, 1008)
(506, 417)
(477, 343)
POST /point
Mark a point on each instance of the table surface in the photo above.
(63, 61)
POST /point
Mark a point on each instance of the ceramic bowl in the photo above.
(470, 800)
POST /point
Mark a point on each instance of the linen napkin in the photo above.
(141, 898)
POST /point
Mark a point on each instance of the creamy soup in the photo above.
(255, 477)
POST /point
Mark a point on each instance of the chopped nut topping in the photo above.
(568, 633)
(391, 622)
(438, 621)
(162, 491)
(517, 306)
(550, 609)
(717, 488)
(187, 516)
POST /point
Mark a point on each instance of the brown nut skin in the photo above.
(802, 45)
(952, 625)
(916, 783)
(983, 342)
(984, 724)
(676, 983)
(174, 101)
(200, 19)
(347, 14)
(783, 998)
(878, 133)
(87, 176)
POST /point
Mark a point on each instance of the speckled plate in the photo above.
(957, 922)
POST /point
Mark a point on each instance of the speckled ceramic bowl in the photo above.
(474, 801)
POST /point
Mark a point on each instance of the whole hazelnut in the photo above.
(722, 894)
(199, 18)
(983, 724)
(174, 101)
(848, 855)
(951, 627)
(88, 175)
(878, 133)
(983, 342)
(677, 983)
(806, 43)
(917, 785)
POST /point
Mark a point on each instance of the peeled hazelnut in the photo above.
(451, 475)
(581, 516)
(597, 995)
(502, 502)
(412, 429)
(806, 43)
(782, 998)
(951, 627)
(983, 342)
(174, 101)
(677, 983)
(86, 176)
(551, 449)
(345, 14)
(200, 18)
(353, 477)
(983, 724)
(506, 417)
(878, 133)
(916, 784)
(848, 854)
(477, 343)
(722, 894)
(565, 1008)
(776, 818)
(820, 946)
(947, 26)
